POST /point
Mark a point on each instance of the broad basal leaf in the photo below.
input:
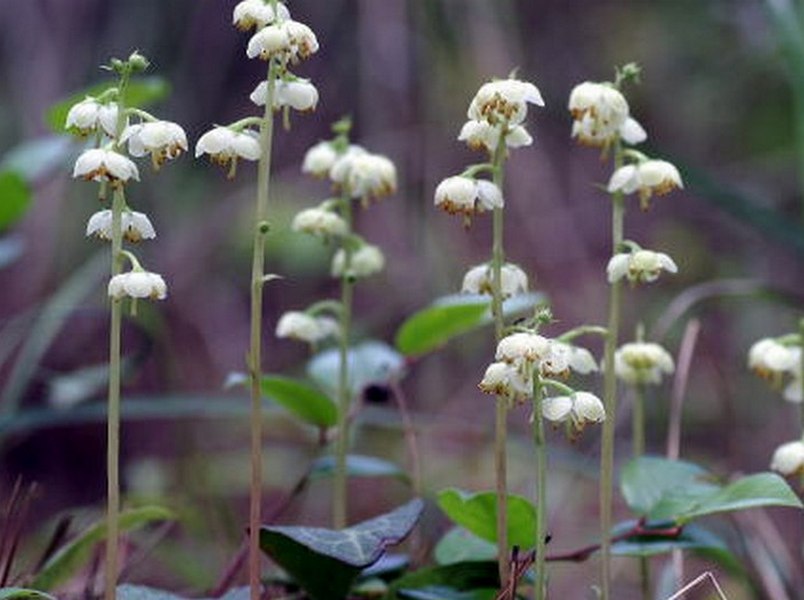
(461, 545)
(326, 562)
(459, 581)
(304, 401)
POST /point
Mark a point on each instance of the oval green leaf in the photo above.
(460, 545)
(15, 197)
(478, 513)
(304, 401)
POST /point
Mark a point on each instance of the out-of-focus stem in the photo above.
(255, 343)
(638, 422)
(540, 588)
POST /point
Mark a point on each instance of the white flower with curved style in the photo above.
(504, 379)
(135, 226)
(138, 284)
(788, 459)
(600, 114)
(319, 159)
(467, 196)
(504, 100)
(640, 363)
(89, 116)
(365, 261)
(298, 94)
(306, 328)
(163, 140)
(289, 40)
(225, 146)
(98, 164)
(371, 176)
(319, 222)
(482, 135)
(648, 177)
(480, 280)
(578, 408)
(249, 14)
(640, 266)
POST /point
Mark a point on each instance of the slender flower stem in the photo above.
(610, 394)
(540, 588)
(113, 407)
(255, 345)
(501, 415)
(801, 373)
(340, 485)
(638, 421)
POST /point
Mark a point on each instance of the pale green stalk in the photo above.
(638, 442)
(610, 394)
(113, 402)
(540, 587)
(255, 345)
(340, 484)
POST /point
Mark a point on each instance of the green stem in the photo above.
(644, 577)
(340, 484)
(255, 344)
(638, 422)
(610, 394)
(801, 371)
(540, 589)
(501, 416)
(113, 409)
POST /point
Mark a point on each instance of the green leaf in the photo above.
(478, 513)
(460, 545)
(304, 401)
(15, 197)
(358, 466)
(451, 316)
(140, 93)
(326, 562)
(370, 362)
(16, 593)
(71, 557)
(459, 581)
(646, 481)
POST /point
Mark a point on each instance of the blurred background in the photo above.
(722, 96)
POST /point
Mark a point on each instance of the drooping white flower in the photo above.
(648, 177)
(306, 328)
(642, 363)
(98, 164)
(480, 280)
(298, 94)
(770, 359)
(163, 140)
(135, 226)
(225, 146)
(138, 284)
(600, 113)
(788, 459)
(578, 408)
(467, 196)
(640, 266)
(89, 115)
(365, 261)
(249, 14)
(576, 358)
(631, 132)
(319, 222)
(482, 135)
(371, 176)
(342, 166)
(288, 39)
(504, 379)
(522, 347)
(504, 100)
(319, 159)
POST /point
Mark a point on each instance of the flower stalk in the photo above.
(540, 586)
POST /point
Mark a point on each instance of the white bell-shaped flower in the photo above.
(89, 116)
(480, 280)
(288, 40)
(319, 222)
(768, 358)
(138, 284)
(522, 347)
(365, 261)
(163, 140)
(600, 113)
(504, 100)
(250, 14)
(135, 226)
(482, 135)
(640, 266)
(371, 176)
(648, 177)
(98, 164)
(467, 196)
(576, 358)
(339, 171)
(642, 363)
(225, 146)
(319, 159)
(298, 94)
(788, 459)
(579, 408)
(306, 328)
(504, 379)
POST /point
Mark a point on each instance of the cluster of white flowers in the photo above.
(306, 328)
(642, 363)
(600, 116)
(639, 266)
(480, 280)
(777, 362)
